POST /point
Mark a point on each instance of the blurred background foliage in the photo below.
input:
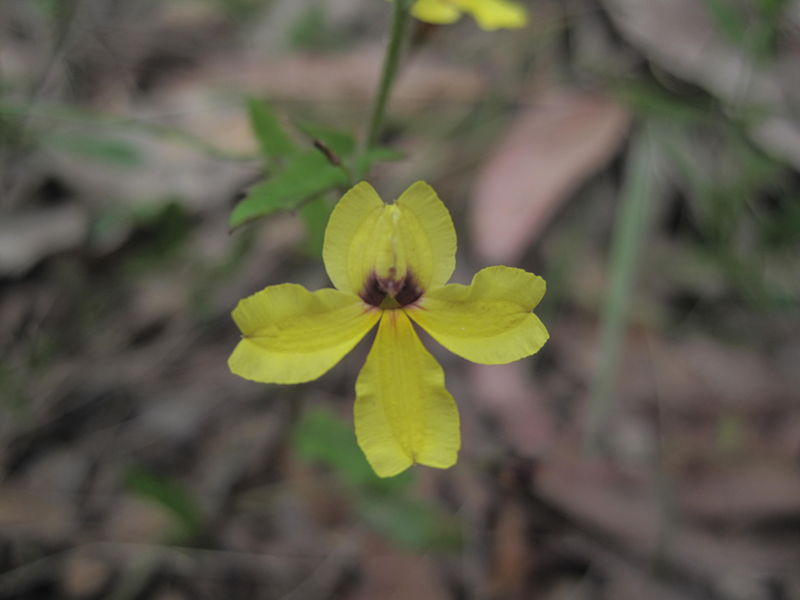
(161, 159)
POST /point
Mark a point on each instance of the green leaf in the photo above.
(167, 226)
(783, 227)
(729, 19)
(50, 8)
(315, 216)
(410, 523)
(169, 495)
(340, 142)
(730, 433)
(310, 31)
(383, 504)
(305, 175)
(103, 149)
(272, 139)
(322, 437)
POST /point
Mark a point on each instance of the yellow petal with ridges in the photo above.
(403, 413)
(347, 236)
(429, 233)
(495, 14)
(291, 335)
(367, 238)
(489, 321)
(438, 12)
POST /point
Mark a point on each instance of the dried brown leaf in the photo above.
(390, 574)
(547, 152)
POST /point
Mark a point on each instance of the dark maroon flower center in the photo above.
(404, 291)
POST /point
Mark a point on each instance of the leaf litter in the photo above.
(109, 369)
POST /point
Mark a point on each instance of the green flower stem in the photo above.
(400, 21)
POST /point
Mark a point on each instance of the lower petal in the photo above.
(403, 413)
(489, 321)
(291, 335)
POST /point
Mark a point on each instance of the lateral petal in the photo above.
(291, 335)
(403, 413)
(489, 321)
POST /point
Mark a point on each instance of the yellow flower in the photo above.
(490, 14)
(390, 264)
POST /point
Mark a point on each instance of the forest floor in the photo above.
(134, 465)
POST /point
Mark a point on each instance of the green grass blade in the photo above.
(629, 234)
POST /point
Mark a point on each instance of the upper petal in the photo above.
(429, 233)
(291, 335)
(488, 321)
(439, 12)
(377, 250)
(403, 413)
(347, 235)
(495, 14)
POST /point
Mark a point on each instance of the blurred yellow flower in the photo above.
(390, 264)
(490, 14)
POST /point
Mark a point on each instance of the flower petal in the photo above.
(439, 12)
(403, 413)
(489, 321)
(495, 14)
(429, 235)
(347, 236)
(291, 335)
(398, 247)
